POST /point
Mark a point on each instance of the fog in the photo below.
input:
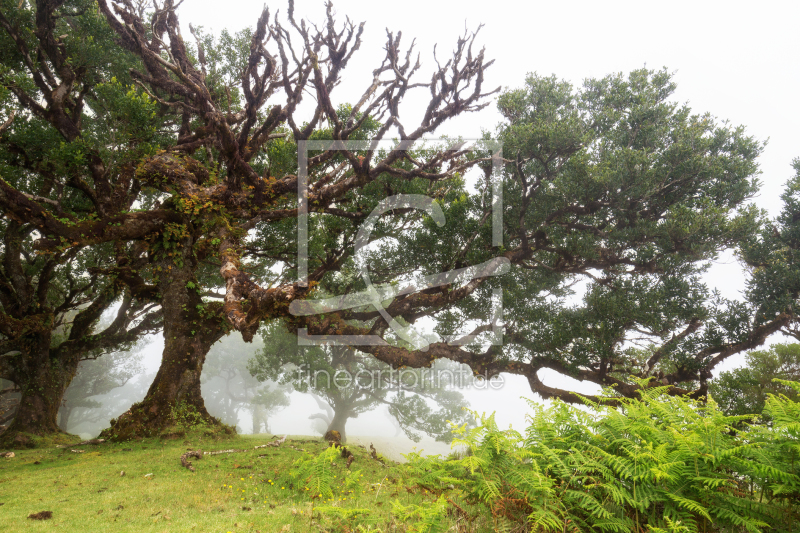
(737, 63)
(230, 355)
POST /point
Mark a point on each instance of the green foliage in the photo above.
(315, 473)
(774, 256)
(658, 462)
(186, 416)
(344, 515)
(776, 456)
(424, 518)
(615, 184)
(744, 390)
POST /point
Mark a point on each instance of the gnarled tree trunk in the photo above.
(260, 419)
(174, 401)
(42, 379)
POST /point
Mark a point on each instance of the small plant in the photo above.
(423, 518)
(353, 481)
(432, 472)
(187, 416)
(346, 519)
(315, 473)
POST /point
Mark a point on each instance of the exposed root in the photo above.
(144, 420)
(197, 454)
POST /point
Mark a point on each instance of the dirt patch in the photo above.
(41, 515)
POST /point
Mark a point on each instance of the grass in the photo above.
(236, 492)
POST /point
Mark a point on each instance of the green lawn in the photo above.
(247, 491)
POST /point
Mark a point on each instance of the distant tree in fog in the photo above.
(231, 392)
(744, 391)
(346, 382)
(96, 377)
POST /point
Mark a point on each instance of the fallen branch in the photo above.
(273, 444)
(461, 512)
(223, 451)
(197, 454)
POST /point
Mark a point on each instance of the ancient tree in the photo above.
(57, 149)
(181, 155)
(51, 322)
(204, 156)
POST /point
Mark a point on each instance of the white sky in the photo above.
(732, 59)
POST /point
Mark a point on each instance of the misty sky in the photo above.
(730, 59)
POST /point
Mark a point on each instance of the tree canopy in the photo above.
(171, 174)
(744, 391)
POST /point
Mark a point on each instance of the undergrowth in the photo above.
(656, 463)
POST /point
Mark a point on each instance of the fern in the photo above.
(353, 481)
(316, 473)
(658, 463)
(423, 519)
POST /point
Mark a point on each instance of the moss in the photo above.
(18, 440)
(183, 420)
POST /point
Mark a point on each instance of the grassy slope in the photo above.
(248, 491)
